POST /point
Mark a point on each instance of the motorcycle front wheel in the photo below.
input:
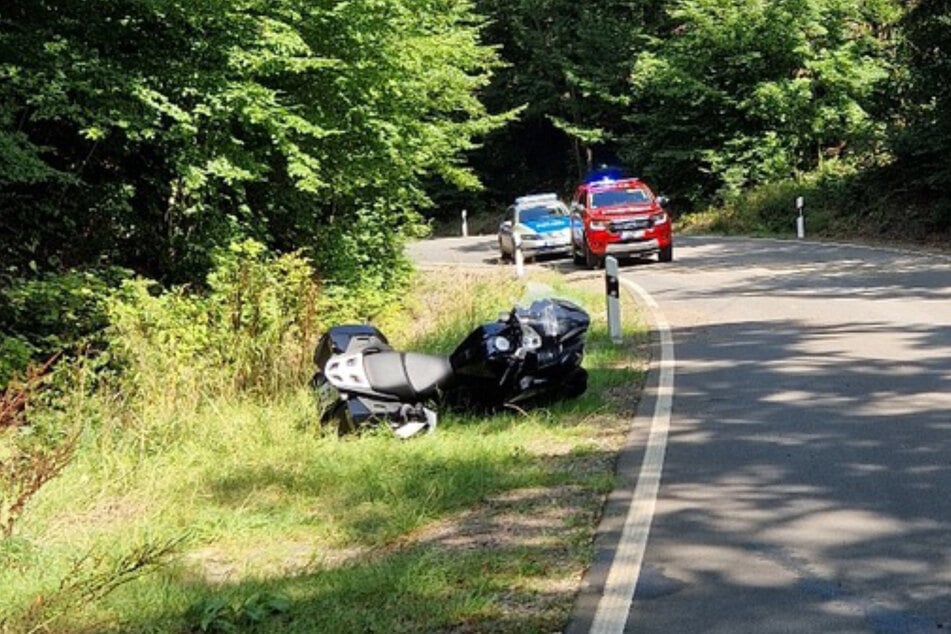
(575, 384)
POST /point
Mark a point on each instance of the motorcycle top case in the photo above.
(348, 339)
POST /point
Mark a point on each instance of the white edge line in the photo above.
(615, 602)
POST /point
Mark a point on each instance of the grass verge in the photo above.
(840, 203)
(485, 526)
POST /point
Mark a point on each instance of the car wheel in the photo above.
(666, 254)
(590, 259)
(576, 256)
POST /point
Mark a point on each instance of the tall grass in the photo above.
(842, 201)
(211, 448)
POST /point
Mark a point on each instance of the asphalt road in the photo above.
(807, 479)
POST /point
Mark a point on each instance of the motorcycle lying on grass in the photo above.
(530, 354)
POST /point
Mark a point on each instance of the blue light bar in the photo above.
(536, 198)
(605, 174)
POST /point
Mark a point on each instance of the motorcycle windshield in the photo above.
(554, 317)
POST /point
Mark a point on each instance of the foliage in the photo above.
(253, 330)
(568, 66)
(842, 201)
(31, 454)
(747, 92)
(15, 357)
(159, 131)
(50, 313)
(250, 327)
(923, 140)
(89, 579)
(221, 617)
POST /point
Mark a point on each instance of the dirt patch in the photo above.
(518, 518)
(217, 564)
(109, 512)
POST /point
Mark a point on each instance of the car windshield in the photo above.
(612, 197)
(530, 214)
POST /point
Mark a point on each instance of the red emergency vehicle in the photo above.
(621, 217)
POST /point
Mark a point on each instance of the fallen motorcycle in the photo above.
(529, 354)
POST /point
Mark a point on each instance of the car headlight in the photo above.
(531, 236)
(597, 226)
(660, 219)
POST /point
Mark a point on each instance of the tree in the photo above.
(744, 91)
(151, 132)
(567, 67)
(923, 142)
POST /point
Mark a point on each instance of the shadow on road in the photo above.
(834, 272)
(797, 498)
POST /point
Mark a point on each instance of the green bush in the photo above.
(52, 313)
(252, 330)
(837, 202)
(161, 352)
(15, 355)
(217, 615)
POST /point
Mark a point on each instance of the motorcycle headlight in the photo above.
(502, 344)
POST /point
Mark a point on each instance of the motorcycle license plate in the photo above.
(632, 235)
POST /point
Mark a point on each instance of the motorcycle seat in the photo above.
(406, 375)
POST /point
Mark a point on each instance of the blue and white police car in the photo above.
(541, 221)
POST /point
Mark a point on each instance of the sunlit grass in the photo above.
(339, 532)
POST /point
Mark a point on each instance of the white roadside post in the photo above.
(465, 224)
(612, 288)
(519, 256)
(800, 220)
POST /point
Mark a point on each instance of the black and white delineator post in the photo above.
(519, 256)
(800, 220)
(465, 224)
(612, 286)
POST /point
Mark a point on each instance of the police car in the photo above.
(541, 222)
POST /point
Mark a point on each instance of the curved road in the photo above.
(807, 480)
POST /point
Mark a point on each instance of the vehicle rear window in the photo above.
(611, 197)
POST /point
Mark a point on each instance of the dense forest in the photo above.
(713, 99)
(143, 137)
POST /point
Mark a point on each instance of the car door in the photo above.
(506, 229)
(577, 217)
